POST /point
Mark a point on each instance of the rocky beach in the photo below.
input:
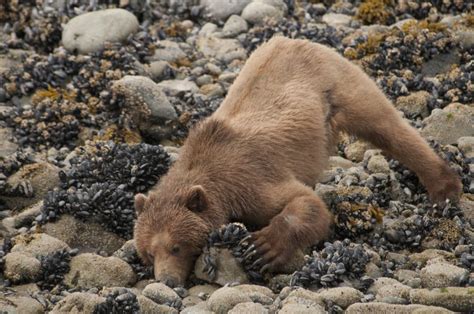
(97, 96)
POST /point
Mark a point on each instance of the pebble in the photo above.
(341, 296)
(466, 145)
(337, 19)
(159, 70)
(223, 49)
(378, 164)
(88, 32)
(408, 277)
(161, 294)
(438, 275)
(257, 12)
(414, 105)
(173, 87)
(458, 299)
(234, 26)
(221, 9)
(89, 270)
(6, 146)
(224, 299)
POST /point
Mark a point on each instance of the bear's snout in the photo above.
(168, 280)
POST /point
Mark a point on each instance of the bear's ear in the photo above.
(196, 199)
(139, 203)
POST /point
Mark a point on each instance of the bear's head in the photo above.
(170, 231)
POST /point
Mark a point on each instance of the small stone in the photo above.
(466, 145)
(234, 26)
(173, 87)
(91, 270)
(440, 275)
(336, 19)
(21, 268)
(304, 297)
(224, 299)
(6, 146)
(414, 105)
(447, 125)
(38, 245)
(378, 164)
(204, 79)
(211, 90)
(88, 32)
(339, 162)
(168, 50)
(257, 12)
(221, 9)
(453, 298)
(203, 290)
(159, 70)
(408, 277)
(191, 300)
(160, 293)
(78, 302)
(147, 306)
(200, 308)
(343, 296)
(440, 63)
(228, 270)
(355, 151)
(223, 49)
(248, 307)
(208, 29)
(379, 307)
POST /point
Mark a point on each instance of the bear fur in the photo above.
(256, 159)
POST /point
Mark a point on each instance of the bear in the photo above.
(257, 158)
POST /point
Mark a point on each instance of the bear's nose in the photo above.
(168, 280)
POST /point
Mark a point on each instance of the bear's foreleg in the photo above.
(303, 222)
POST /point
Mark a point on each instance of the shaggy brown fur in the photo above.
(257, 157)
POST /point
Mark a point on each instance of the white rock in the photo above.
(88, 32)
(168, 50)
(234, 26)
(160, 293)
(174, 87)
(258, 12)
(221, 9)
(337, 19)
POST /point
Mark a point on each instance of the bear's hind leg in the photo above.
(303, 222)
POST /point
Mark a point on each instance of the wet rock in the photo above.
(414, 105)
(174, 87)
(21, 268)
(7, 147)
(453, 298)
(224, 299)
(449, 124)
(248, 307)
(234, 26)
(221, 9)
(20, 304)
(161, 293)
(91, 270)
(223, 49)
(379, 307)
(33, 181)
(466, 145)
(438, 275)
(258, 11)
(228, 269)
(378, 164)
(78, 302)
(336, 19)
(86, 237)
(343, 296)
(88, 32)
(38, 245)
(168, 50)
(147, 306)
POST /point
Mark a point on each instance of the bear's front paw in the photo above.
(272, 249)
(447, 186)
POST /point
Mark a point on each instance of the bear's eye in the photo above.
(175, 250)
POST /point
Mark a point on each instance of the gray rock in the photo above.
(466, 204)
(449, 124)
(224, 299)
(408, 277)
(20, 304)
(212, 90)
(336, 19)
(342, 296)
(438, 275)
(466, 38)
(223, 49)
(440, 63)
(174, 87)
(208, 29)
(91, 270)
(159, 70)
(378, 164)
(34, 180)
(221, 9)
(21, 268)
(86, 237)
(257, 12)
(160, 293)
(24, 218)
(78, 302)
(248, 307)
(147, 306)
(213, 69)
(191, 300)
(7, 147)
(234, 26)
(38, 245)
(430, 254)
(204, 79)
(228, 270)
(88, 32)
(379, 307)
(466, 145)
(453, 298)
(414, 105)
(143, 94)
(168, 50)
(399, 291)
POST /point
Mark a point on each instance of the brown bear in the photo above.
(256, 159)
